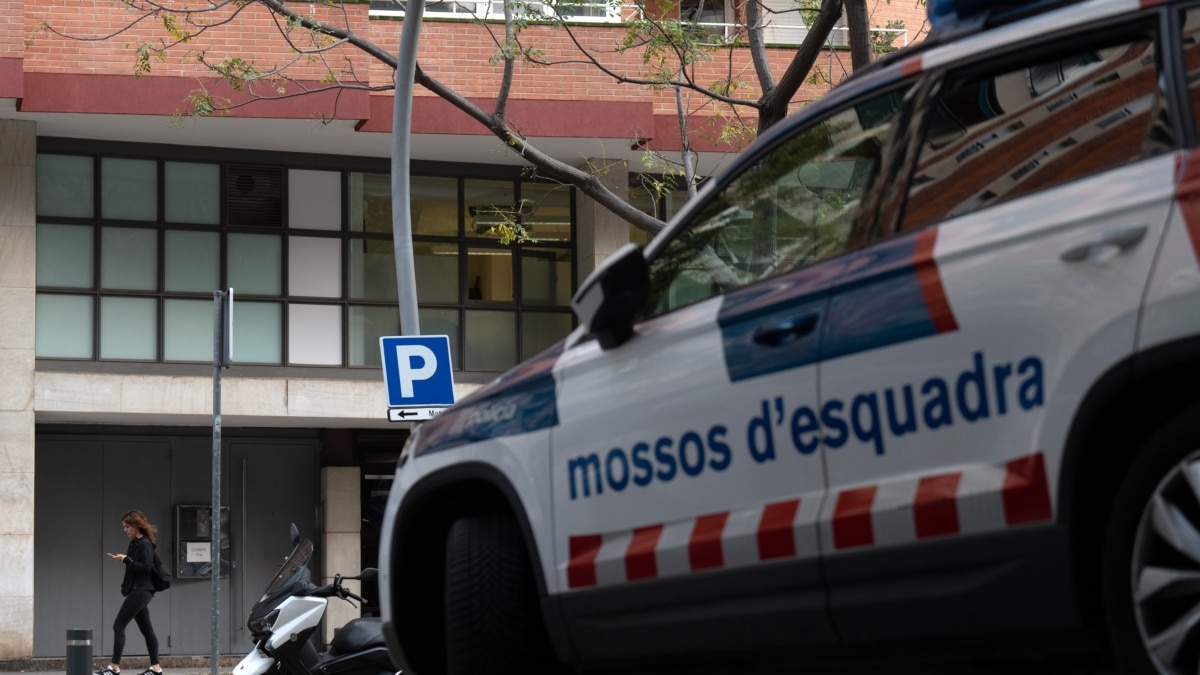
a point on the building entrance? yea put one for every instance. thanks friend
(86, 480)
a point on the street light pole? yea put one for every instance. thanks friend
(222, 336)
(406, 70)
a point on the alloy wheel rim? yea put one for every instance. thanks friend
(1165, 583)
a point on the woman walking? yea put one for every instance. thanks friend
(137, 589)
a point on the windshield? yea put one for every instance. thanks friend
(291, 578)
(296, 564)
(797, 204)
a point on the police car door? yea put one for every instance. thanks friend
(958, 348)
(685, 504)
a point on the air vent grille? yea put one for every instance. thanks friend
(254, 195)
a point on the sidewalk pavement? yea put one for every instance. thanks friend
(133, 664)
(131, 669)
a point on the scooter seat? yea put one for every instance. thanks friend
(358, 635)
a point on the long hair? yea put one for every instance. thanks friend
(138, 519)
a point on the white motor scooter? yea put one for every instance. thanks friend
(284, 619)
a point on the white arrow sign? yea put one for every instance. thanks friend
(414, 414)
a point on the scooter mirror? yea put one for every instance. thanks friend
(368, 574)
(295, 535)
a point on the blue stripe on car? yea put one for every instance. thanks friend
(877, 301)
(520, 401)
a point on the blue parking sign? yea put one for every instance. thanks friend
(417, 370)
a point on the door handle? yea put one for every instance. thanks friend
(788, 330)
(1105, 245)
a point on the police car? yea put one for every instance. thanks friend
(917, 377)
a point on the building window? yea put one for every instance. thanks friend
(573, 10)
(130, 250)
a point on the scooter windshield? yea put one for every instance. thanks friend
(293, 568)
(293, 575)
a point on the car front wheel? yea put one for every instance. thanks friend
(1151, 566)
(493, 624)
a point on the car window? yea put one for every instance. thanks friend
(1189, 41)
(793, 206)
(992, 138)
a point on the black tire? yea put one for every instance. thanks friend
(1151, 584)
(493, 624)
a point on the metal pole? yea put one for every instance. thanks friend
(79, 651)
(406, 70)
(215, 528)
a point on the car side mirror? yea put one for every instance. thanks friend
(612, 297)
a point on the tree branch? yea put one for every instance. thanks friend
(774, 104)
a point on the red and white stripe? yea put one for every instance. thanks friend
(978, 498)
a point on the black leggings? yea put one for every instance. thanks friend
(135, 608)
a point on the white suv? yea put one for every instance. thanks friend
(917, 377)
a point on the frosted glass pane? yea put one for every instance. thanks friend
(193, 193)
(442, 322)
(257, 332)
(128, 189)
(255, 265)
(129, 328)
(491, 341)
(315, 199)
(373, 269)
(315, 334)
(64, 256)
(188, 330)
(546, 277)
(436, 269)
(64, 326)
(367, 325)
(193, 261)
(314, 267)
(65, 186)
(539, 331)
(129, 259)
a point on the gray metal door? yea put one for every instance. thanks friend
(82, 488)
(84, 483)
(191, 598)
(68, 547)
(277, 485)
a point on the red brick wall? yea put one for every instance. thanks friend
(12, 29)
(251, 35)
(913, 15)
(456, 53)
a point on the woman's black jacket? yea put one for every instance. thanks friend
(139, 561)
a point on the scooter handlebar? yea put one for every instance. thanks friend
(336, 589)
(326, 591)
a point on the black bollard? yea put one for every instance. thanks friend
(79, 651)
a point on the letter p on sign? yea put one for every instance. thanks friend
(417, 370)
(404, 358)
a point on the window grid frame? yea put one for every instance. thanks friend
(99, 150)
